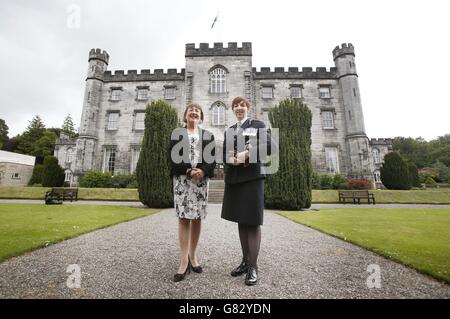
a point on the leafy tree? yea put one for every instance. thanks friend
(3, 133)
(153, 167)
(11, 144)
(394, 172)
(290, 187)
(34, 131)
(53, 174)
(414, 174)
(68, 127)
(442, 171)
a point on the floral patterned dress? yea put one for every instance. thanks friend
(190, 196)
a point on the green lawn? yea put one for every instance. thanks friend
(24, 227)
(428, 196)
(419, 238)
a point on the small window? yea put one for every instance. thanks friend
(331, 158)
(328, 120)
(142, 94)
(139, 121)
(267, 92)
(324, 92)
(109, 160)
(219, 114)
(135, 151)
(169, 93)
(115, 94)
(89, 96)
(354, 92)
(113, 121)
(15, 176)
(68, 176)
(377, 176)
(349, 115)
(69, 155)
(296, 92)
(376, 155)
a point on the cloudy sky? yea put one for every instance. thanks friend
(402, 50)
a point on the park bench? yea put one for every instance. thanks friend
(58, 194)
(356, 195)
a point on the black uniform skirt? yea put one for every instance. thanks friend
(244, 202)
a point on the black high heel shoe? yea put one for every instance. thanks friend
(179, 277)
(197, 269)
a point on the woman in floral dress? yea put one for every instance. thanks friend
(192, 154)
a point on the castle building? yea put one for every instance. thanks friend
(112, 121)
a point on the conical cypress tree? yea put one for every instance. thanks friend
(153, 167)
(414, 174)
(394, 172)
(53, 174)
(290, 188)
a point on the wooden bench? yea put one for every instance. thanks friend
(356, 195)
(59, 194)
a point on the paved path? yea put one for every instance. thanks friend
(314, 206)
(137, 259)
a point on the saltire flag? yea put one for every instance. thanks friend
(215, 20)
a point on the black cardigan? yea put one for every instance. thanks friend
(206, 138)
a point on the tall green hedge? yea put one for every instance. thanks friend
(36, 177)
(153, 167)
(414, 174)
(394, 172)
(290, 188)
(53, 174)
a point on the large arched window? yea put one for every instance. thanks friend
(218, 113)
(376, 155)
(218, 79)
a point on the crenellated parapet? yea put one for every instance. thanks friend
(344, 49)
(97, 54)
(144, 75)
(218, 49)
(380, 141)
(295, 73)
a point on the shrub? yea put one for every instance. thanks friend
(326, 181)
(441, 170)
(430, 182)
(96, 179)
(290, 188)
(394, 172)
(153, 167)
(358, 183)
(52, 174)
(36, 177)
(339, 182)
(122, 180)
(315, 180)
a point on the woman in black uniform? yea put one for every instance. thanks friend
(244, 144)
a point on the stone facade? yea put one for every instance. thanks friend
(15, 169)
(111, 128)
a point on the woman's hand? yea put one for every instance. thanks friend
(242, 156)
(197, 174)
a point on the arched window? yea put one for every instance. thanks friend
(218, 114)
(376, 155)
(68, 175)
(218, 80)
(377, 176)
(69, 155)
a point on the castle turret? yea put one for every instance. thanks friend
(86, 143)
(357, 142)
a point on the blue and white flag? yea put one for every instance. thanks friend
(215, 20)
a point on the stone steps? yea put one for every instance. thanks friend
(216, 189)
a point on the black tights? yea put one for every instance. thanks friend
(250, 237)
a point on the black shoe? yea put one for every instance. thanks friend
(197, 269)
(240, 270)
(252, 276)
(179, 277)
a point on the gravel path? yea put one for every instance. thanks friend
(137, 259)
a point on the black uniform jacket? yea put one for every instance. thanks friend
(255, 134)
(180, 146)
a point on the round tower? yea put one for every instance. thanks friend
(358, 159)
(88, 132)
